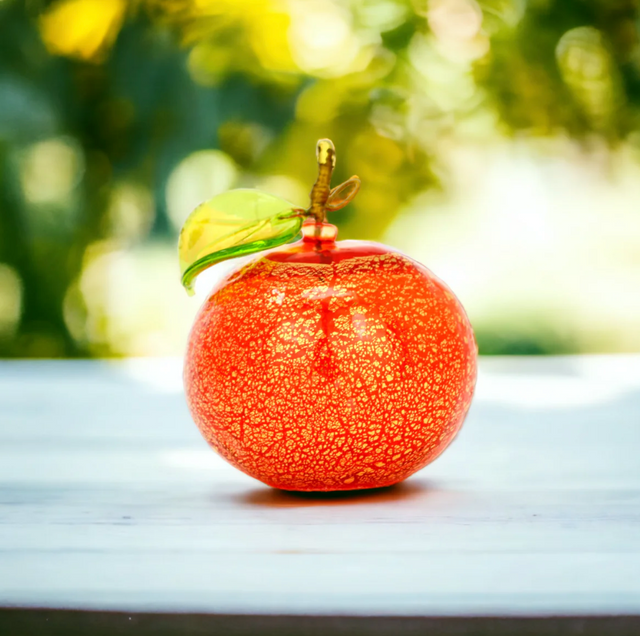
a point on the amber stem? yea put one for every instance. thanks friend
(326, 155)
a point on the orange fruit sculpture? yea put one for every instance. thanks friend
(322, 365)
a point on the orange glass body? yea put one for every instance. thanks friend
(330, 366)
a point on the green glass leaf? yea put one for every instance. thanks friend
(233, 224)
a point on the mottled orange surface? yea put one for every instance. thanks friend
(333, 367)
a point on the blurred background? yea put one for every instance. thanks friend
(498, 142)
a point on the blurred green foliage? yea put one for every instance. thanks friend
(101, 101)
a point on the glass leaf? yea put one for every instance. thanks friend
(233, 224)
(343, 194)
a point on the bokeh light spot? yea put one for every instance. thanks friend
(197, 178)
(322, 40)
(130, 213)
(588, 70)
(286, 187)
(454, 19)
(10, 300)
(50, 171)
(83, 29)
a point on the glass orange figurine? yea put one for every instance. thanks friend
(322, 365)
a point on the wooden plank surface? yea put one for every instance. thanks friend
(110, 500)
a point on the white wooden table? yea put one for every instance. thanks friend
(115, 517)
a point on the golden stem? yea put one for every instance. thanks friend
(326, 155)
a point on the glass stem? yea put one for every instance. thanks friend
(326, 155)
